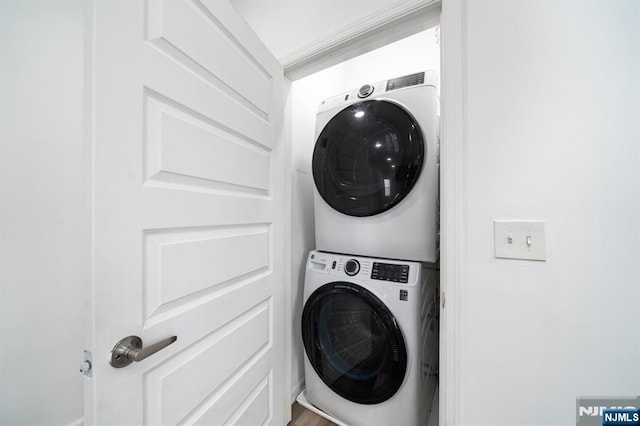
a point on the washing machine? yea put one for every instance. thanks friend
(370, 333)
(375, 167)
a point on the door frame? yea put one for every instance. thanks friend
(398, 21)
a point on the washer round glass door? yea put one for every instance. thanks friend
(368, 158)
(354, 343)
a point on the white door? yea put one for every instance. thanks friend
(188, 203)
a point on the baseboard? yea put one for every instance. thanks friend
(302, 400)
(77, 422)
(296, 390)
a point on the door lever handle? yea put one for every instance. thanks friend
(130, 349)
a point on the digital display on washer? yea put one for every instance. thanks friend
(406, 81)
(389, 272)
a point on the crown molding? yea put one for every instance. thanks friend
(385, 26)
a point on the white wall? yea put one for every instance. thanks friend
(553, 133)
(41, 211)
(416, 53)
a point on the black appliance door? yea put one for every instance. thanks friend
(354, 343)
(368, 158)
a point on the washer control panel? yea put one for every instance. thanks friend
(361, 268)
(390, 272)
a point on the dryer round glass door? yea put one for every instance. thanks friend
(354, 343)
(367, 158)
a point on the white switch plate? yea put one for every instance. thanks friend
(518, 239)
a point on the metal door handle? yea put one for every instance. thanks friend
(130, 349)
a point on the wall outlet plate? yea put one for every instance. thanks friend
(519, 239)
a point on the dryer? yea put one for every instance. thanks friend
(370, 334)
(375, 167)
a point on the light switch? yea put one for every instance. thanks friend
(518, 239)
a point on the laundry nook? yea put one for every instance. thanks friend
(320, 212)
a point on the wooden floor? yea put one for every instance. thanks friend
(300, 416)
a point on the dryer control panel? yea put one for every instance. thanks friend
(406, 81)
(424, 78)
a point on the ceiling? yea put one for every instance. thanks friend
(289, 26)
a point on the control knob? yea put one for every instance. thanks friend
(365, 91)
(352, 267)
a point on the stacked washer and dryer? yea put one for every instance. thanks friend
(370, 316)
